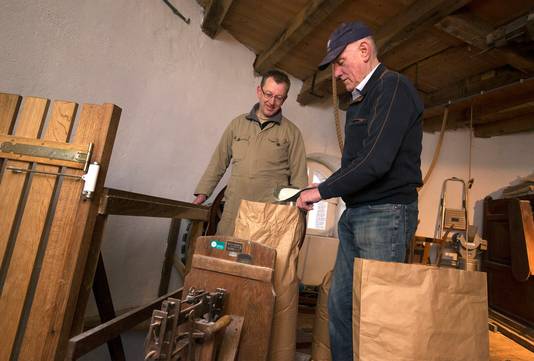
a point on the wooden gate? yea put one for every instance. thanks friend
(45, 222)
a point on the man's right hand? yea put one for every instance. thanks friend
(201, 198)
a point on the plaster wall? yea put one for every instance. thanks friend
(178, 90)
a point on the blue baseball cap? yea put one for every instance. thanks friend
(345, 34)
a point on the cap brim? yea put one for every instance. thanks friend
(330, 57)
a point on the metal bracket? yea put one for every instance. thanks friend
(46, 152)
(90, 177)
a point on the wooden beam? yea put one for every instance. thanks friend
(311, 16)
(314, 87)
(81, 344)
(117, 202)
(474, 32)
(472, 85)
(419, 16)
(507, 126)
(214, 14)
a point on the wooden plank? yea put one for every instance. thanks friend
(311, 16)
(214, 14)
(105, 307)
(30, 231)
(43, 143)
(172, 242)
(472, 85)
(9, 107)
(81, 344)
(50, 319)
(521, 239)
(420, 15)
(30, 122)
(230, 339)
(507, 126)
(194, 232)
(88, 274)
(237, 269)
(314, 87)
(124, 203)
(252, 299)
(473, 31)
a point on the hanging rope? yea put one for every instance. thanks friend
(438, 147)
(335, 102)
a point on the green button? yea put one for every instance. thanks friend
(215, 243)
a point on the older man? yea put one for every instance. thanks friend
(266, 151)
(380, 169)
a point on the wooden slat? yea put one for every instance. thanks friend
(124, 203)
(311, 16)
(44, 143)
(29, 236)
(90, 339)
(214, 15)
(9, 106)
(11, 186)
(233, 268)
(50, 319)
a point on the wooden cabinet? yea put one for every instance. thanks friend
(507, 294)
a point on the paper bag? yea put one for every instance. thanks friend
(408, 312)
(281, 227)
(321, 337)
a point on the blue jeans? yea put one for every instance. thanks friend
(380, 232)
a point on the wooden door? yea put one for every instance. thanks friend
(45, 222)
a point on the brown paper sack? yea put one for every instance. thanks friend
(281, 227)
(321, 337)
(408, 312)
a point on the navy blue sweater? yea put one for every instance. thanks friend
(381, 160)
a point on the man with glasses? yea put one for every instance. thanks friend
(265, 149)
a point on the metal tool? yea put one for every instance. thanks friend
(460, 246)
(180, 327)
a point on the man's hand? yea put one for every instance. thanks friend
(308, 198)
(201, 198)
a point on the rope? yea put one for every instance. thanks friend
(438, 148)
(335, 102)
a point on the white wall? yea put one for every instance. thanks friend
(178, 90)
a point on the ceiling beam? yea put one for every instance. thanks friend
(475, 32)
(472, 85)
(313, 14)
(214, 14)
(420, 15)
(417, 17)
(520, 124)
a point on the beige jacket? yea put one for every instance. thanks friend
(262, 159)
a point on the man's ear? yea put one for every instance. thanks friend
(365, 50)
(259, 93)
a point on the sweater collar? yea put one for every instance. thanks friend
(277, 118)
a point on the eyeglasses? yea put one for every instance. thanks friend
(268, 96)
